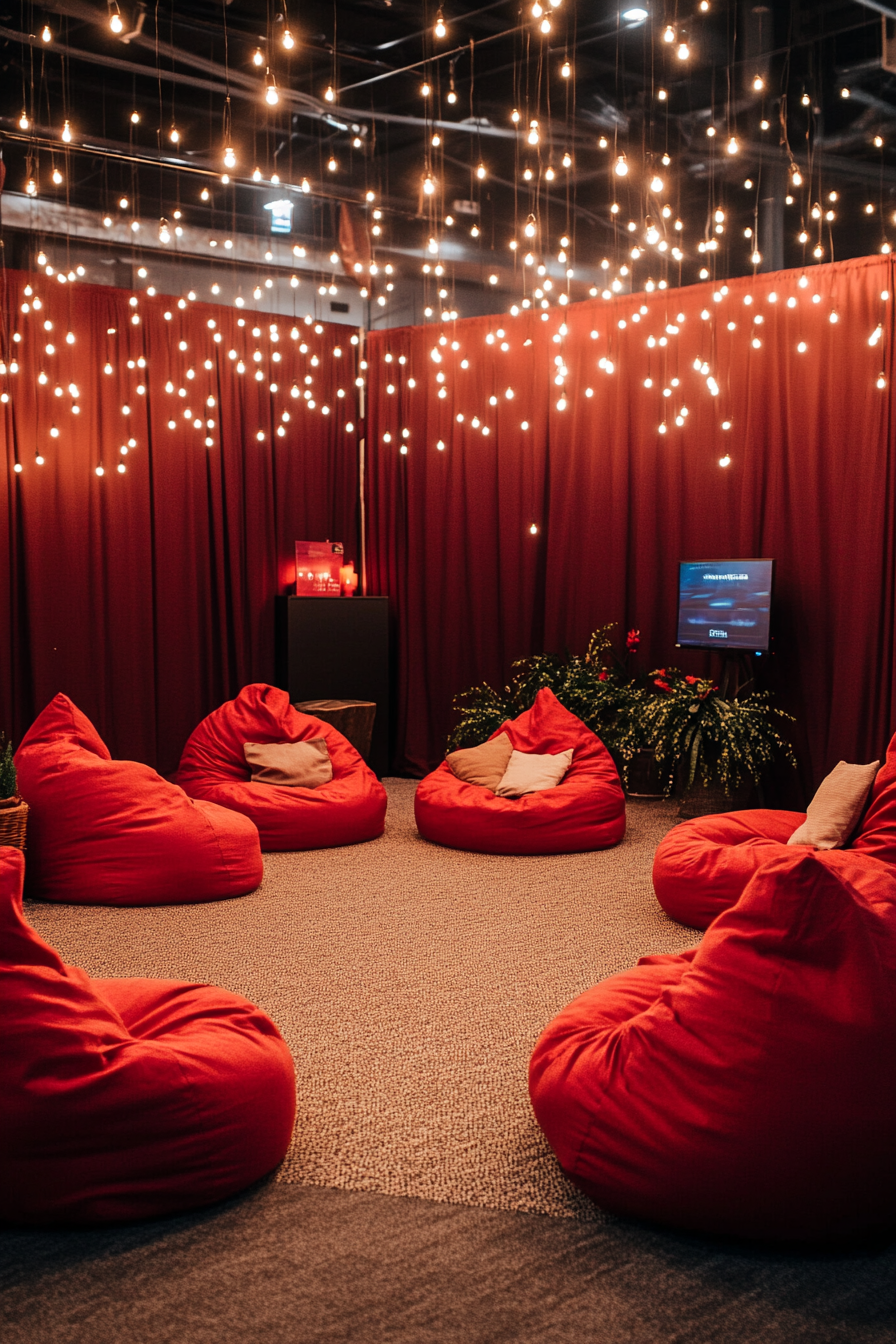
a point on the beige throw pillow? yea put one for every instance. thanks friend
(297, 765)
(529, 772)
(834, 812)
(483, 765)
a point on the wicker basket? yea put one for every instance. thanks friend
(13, 820)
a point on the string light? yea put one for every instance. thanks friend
(440, 30)
(116, 23)
(288, 40)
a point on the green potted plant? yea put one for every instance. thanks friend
(13, 808)
(712, 751)
(601, 687)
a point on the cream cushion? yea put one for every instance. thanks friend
(483, 765)
(834, 812)
(294, 765)
(530, 772)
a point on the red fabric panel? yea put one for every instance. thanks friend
(877, 833)
(350, 808)
(149, 597)
(812, 483)
(127, 1098)
(586, 810)
(104, 832)
(748, 1087)
(703, 866)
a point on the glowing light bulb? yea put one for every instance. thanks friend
(566, 160)
(621, 168)
(710, 131)
(796, 178)
(669, 33)
(429, 185)
(532, 137)
(330, 94)
(24, 123)
(480, 170)
(174, 135)
(135, 118)
(57, 176)
(115, 22)
(271, 95)
(229, 157)
(425, 90)
(288, 40)
(46, 35)
(31, 187)
(67, 133)
(656, 184)
(452, 96)
(530, 227)
(733, 147)
(683, 52)
(566, 70)
(440, 30)
(258, 58)
(758, 84)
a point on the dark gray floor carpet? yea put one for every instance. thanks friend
(289, 1264)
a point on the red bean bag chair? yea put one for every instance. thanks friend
(586, 810)
(747, 1086)
(127, 1098)
(104, 832)
(702, 867)
(350, 808)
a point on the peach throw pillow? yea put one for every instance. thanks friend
(530, 772)
(294, 765)
(484, 765)
(834, 812)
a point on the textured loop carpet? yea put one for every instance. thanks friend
(411, 982)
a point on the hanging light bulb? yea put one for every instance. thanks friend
(330, 94)
(683, 52)
(733, 147)
(135, 118)
(31, 187)
(116, 22)
(480, 170)
(653, 234)
(288, 40)
(229, 157)
(24, 123)
(57, 176)
(621, 168)
(758, 84)
(796, 177)
(67, 133)
(429, 185)
(256, 175)
(174, 135)
(425, 89)
(332, 165)
(46, 35)
(531, 227)
(532, 137)
(669, 34)
(567, 160)
(258, 58)
(656, 184)
(566, 69)
(440, 29)
(205, 194)
(164, 231)
(271, 96)
(452, 94)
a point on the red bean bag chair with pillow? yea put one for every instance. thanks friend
(127, 1099)
(747, 1086)
(702, 866)
(350, 808)
(585, 811)
(104, 832)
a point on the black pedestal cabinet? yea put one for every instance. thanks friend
(337, 648)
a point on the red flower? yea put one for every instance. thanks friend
(692, 681)
(602, 677)
(663, 685)
(633, 639)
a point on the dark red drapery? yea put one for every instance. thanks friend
(148, 596)
(617, 504)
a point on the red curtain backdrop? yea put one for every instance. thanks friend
(796, 361)
(148, 595)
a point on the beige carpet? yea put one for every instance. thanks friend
(411, 983)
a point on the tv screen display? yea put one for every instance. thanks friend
(725, 604)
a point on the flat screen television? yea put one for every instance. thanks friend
(725, 604)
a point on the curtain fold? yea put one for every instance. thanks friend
(148, 596)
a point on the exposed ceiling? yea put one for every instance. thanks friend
(606, 92)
